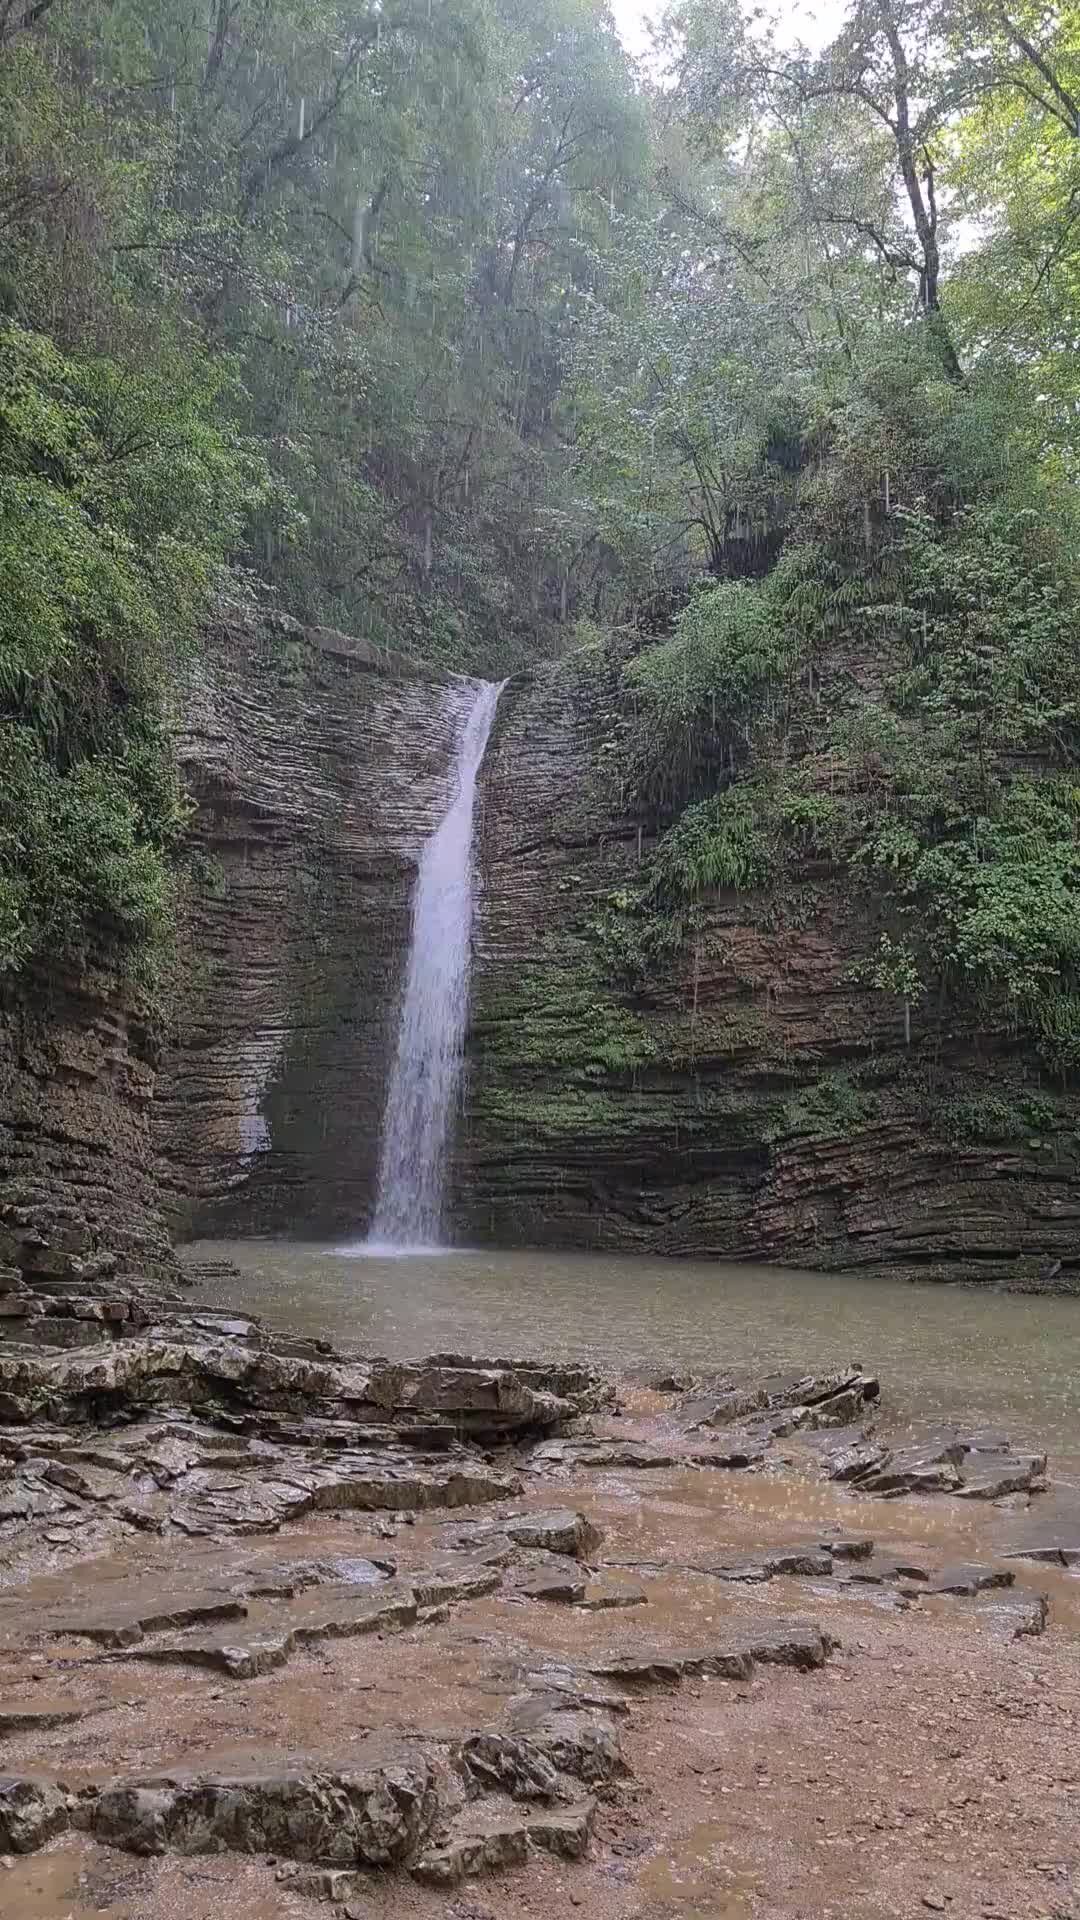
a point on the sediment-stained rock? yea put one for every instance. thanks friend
(481, 1842)
(375, 1813)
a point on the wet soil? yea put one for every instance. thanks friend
(931, 1766)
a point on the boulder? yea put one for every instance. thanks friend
(374, 1813)
(32, 1812)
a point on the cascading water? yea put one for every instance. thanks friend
(427, 1065)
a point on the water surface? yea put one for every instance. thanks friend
(963, 1352)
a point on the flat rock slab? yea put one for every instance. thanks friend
(129, 1617)
(557, 1588)
(778, 1643)
(558, 1530)
(482, 1842)
(973, 1465)
(337, 1613)
(573, 1454)
(38, 1716)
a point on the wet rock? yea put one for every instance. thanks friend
(855, 1459)
(559, 1530)
(577, 1739)
(741, 1449)
(374, 1813)
(1015, 1616)
(651, 1668)
(829, 1399)
(911, 1473)
(127, 1618)
(37, 1716)
(808, 1562)
(503, 1763)
(789, 1644)
(967, 1580)
(605, 1595)
(992, 1477)
(573, 1454)
(452, 1580)
(485, 1842)
(561, 1588)
(848, 1547)
(31, 1812)
(90, 1483)
(1055, 1546)
(883, 1569)
(328, 1614)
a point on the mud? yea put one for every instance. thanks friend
(641, 1692)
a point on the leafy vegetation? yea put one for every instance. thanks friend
(751, 375)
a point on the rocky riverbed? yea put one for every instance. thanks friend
(280, 1626)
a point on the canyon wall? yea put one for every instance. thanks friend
(317, 772)
(80, 1214)
(735, 1093)
(731, 1092)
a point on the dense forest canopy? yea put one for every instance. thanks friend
(442, 322)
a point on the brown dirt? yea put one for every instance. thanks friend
(932, 1766)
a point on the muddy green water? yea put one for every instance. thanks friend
(966, 1353)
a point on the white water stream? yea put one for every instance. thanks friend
(427, 1064)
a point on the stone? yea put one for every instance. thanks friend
(992, 1477)
(128, 1617)
(510, 1764)
(856, 1459)
(605, 1596)
(37, 1716)
(480, 1843)
(599, 1453)
(374, 1813)
(558, 1530)
(327, 1614)
(1016, 1616)
(564, 1588)
(739, 1450)
(32, 1812)
(848, 1547)
(966, 1580)
(809, 1562)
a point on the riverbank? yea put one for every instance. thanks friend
(468, 1640)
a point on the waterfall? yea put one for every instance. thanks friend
(431, 1034)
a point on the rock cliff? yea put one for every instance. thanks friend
(80, 1218)
(729, 1091)
(732, 1091)
(317, 772)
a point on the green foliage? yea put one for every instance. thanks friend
(830, 1108)
(992, 1119)
(721, 844)
(693, 695)
(119, 498)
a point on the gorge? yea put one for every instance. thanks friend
(539, 960)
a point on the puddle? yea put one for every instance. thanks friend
(699, 1879)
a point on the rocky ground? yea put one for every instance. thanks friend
(483, 1639)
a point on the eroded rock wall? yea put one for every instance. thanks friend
(79, 1201)
(738, 1094)
(317, 773)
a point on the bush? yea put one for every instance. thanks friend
(120, 496)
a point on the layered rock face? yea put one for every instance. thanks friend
(734, 1092)
(317, 774)
(79, 1203)
(731, 1092)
